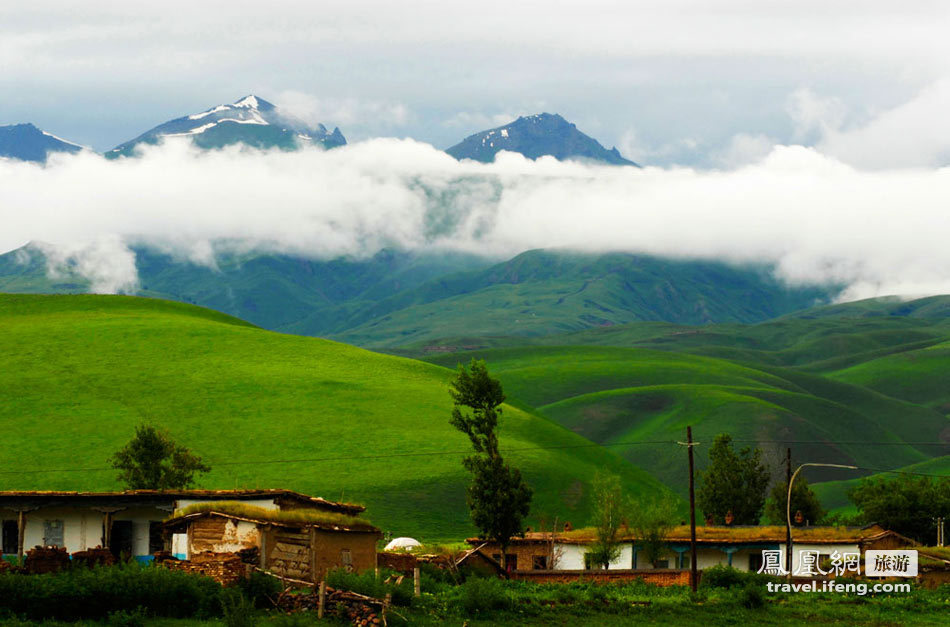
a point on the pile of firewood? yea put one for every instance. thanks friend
(358, 609)
(94, 557)
(225, 568)
(46, 559)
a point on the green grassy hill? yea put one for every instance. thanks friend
(79, 372)
(618, 396)
(545, 292)
(918, 376)
(395, 298)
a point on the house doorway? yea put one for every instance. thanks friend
(121, 539)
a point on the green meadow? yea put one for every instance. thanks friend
(276, 410)
(828, 380)
(79, 372)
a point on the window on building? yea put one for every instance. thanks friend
(511, 561)
(346, 559)
(662, 564)
(540, 562)
(496, 557)
(755, 562)
(53, 533)
(588, 562)
(10, 536)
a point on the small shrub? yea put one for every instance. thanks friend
(236, 609)
(723, 577)
(481, 596)
(124, 618)
(751, 596)
(297, 620)
(368, 584)
(260, 589)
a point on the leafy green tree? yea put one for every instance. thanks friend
(611, 508)
(153, 461)
(652, 522)
(804, 500)
(905, 504)
(733, 482)
(498, 497)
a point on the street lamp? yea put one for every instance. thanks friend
(788, 512)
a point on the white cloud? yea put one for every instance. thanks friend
(343, 111)
(813, 114)
(106, 262)
(914, 134)
(814, 217)
(744, 149)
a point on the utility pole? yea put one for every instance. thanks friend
(788, 523)
(941, 538)
(692, 512)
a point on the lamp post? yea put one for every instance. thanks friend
(788, 511)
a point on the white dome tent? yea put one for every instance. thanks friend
(402, 544)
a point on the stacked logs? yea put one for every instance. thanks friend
(359, 610)
(94, 557)
(225, 568)
(46, 559)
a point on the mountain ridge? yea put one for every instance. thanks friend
(27, 142)
(534, 136)
(250, 120)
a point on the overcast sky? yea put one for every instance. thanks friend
(705, 83)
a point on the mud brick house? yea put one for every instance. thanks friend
(300, 544)
(736, 546)
(127, 522)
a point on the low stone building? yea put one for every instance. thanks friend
(300, 544)
(129, 522)
(737, 546)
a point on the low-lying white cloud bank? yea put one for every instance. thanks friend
(816, 219)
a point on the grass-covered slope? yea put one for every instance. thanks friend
(618, 396)
(544, 292)
(79, 372)
(396, 298)
(919, 376)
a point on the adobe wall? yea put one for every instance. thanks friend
(329, 547)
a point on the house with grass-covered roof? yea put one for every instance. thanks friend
(129, 522)
(300, 544)
(740, 547)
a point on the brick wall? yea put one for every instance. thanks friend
(657, 577)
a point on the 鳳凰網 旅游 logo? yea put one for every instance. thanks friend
(812, 563)
(890, 563)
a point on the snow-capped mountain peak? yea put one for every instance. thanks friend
(251, 120)
(535, 136)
